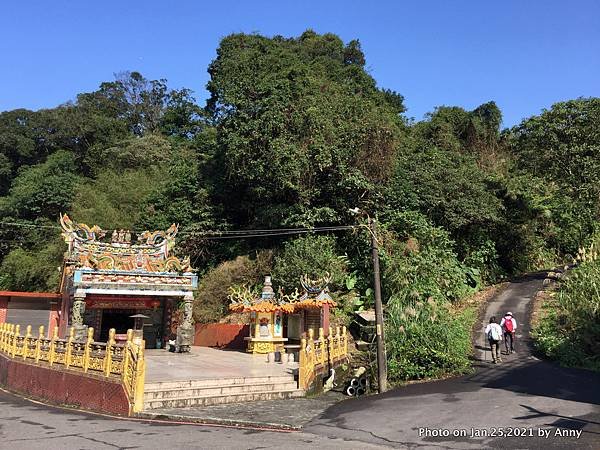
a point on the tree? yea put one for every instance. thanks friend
(302, 131)
(562, 147)
(43, 190)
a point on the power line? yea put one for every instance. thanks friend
(220, 235)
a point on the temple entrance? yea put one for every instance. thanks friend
(118, 319)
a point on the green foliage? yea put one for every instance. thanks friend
(419, 261)
(211, 302)
(425, 336)
(113, 199)
(313, 255)
(45, 189)
(561, 147)
(131, 153)
(302, 131)
(569, 330)
(426, 339)
(33, 270)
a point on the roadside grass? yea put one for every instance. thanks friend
(566, 326)
(428, 341)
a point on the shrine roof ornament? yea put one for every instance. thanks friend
(316, 294)
(244, 299)
(88, 249)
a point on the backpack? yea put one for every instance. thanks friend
(508, 325)
(493, 334)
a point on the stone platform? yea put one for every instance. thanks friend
(207, 376)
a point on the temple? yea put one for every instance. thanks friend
(107, 280)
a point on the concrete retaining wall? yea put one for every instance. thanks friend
(63, 387)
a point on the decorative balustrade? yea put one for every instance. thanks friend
(321, 353)
(124, 362)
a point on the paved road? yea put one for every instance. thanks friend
(523, 395)
(28, 426)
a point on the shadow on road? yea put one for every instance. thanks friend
(542, 378)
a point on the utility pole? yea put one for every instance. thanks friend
(381, 357)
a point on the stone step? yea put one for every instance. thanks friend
(203, 383)
(221, 399)
(207, 391)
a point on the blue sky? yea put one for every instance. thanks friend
(525, 55)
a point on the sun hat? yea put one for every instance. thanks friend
(509, 313)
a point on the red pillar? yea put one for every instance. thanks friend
(326, 319)
(3, 309)
(63, 320)
(53, 318)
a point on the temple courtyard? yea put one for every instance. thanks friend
(205, 363)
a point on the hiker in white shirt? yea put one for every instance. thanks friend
(509, 326)
(493, 333)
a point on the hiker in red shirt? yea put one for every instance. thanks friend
(509, 326)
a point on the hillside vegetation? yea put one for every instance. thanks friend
(296, 133)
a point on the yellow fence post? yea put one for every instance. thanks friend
(52, 351)
(302, 362)
(2, 336)
(140, 376)
(87, 349)
(330, 346)
(69, 350)
(38, 343)
(16, 340)
(108, 357)
(127, 360)
(26, 341)
(323, 355)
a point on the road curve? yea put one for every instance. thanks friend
(531, 400)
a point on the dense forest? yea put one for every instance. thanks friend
(295, 134)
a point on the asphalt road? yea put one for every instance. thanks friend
(28, 426)
(521, 403)
(524, 397)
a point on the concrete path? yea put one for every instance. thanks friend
(209, 363)
(528, 399)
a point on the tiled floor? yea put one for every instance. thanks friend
(209, 363)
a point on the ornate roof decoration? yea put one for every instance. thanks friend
(316, 294)
(87, 249)
(244, 299)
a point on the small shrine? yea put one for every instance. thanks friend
(266, 317)
(277, 319)
(110, 283)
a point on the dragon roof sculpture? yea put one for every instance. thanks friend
(316, 294)
(87, 249)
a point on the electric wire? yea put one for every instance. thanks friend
(218, 235)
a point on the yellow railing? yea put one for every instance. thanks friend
(123, 362)
(317, 354)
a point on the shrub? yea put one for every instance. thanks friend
(211, 302)
(312, 255)
(426, 339)
(569, 331)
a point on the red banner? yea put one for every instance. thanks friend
(121, 303)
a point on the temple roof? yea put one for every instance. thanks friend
(88, 249)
